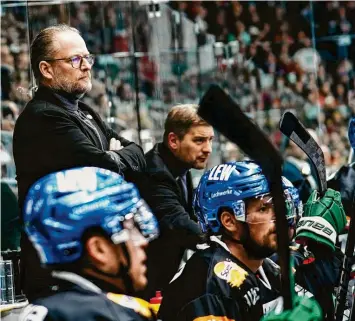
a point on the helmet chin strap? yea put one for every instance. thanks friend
(122, 273)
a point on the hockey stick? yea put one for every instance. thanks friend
(349, 251)
(218, 109)
(351, 156)
(294, 130)
(345, 273)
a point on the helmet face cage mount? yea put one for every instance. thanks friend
(140, 219)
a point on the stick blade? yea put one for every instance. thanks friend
(291, 127)
(215, 108)
(289, 123)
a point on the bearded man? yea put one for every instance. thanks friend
(56, 131)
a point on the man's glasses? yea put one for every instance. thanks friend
(77, 60)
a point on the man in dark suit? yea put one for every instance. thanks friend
(168, 190)
(56, 131)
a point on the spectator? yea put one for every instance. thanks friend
(57, 131)
(167, 188)
(103, 105)
(242, 34)
(125, 92)
(9, 111)
(7, 69)
(311, 110)
(148, 71)
(267, 20)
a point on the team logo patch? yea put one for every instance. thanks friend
(231, 272)
(138, 305)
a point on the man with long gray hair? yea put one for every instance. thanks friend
(56, 131)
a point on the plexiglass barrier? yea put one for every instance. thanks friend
(151, 56)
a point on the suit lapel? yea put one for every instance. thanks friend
(180, 187)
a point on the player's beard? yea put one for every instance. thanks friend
(256, 250)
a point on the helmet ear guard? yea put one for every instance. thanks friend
(208, 225)
(294, 203)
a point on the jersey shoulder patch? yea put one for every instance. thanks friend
(33, 312)
(230, 272)
(138, 305)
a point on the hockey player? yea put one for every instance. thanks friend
(90, 227)
(233, 279)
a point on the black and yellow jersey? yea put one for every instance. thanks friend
(78, 299)
(214, 285)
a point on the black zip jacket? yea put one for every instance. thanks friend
(52, 135)
(178, 227)
(215, 284)
(55, 133)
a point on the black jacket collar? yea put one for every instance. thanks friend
(59, 98)
(175, 165)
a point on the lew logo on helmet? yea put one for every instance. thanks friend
(221, 172)
(82, 179)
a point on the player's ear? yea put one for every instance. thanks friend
(229, 221)
(98, 249)
(173, 141)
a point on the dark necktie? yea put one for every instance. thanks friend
(181, 180)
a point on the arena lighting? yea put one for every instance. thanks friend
(154, 10)
(153, 7)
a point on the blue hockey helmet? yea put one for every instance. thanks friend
(292, 192)
(228, 185)
(61, 206)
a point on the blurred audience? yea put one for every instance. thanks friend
(270, 66)
(277, 67)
